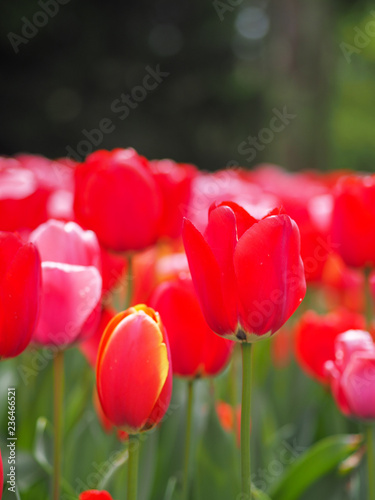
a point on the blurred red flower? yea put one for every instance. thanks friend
(315, 339)
(195, 349)
(20, 293)
(352, 219)
(117, 196)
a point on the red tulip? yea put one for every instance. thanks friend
(71, 283)
(134, 373)
(248, 274)
(196, 351)
(353, 216)
(95, 495)
(316, 336)
(20, 291)
(352, 374)
(174, 181)
(117, 196)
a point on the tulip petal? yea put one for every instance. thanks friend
(270, 276)
(66, 242)
(207, 279)
(10, 243)
(131, 394)
(243, 219)
(70, 294)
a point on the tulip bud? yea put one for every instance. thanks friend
(134, 373)
(20, 291)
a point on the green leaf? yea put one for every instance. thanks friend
(121, 458)
(320, 459)
(43, 444)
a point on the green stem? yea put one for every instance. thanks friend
(58, 396)
(245, 420)
(368, 298)
(189, 421)
(133, 467)
(233, 391)
(130, 281)
(370, 460)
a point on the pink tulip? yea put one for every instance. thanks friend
(71, 281)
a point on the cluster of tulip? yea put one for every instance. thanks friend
(210, 260)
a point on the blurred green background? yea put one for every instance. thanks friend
(230, 64)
